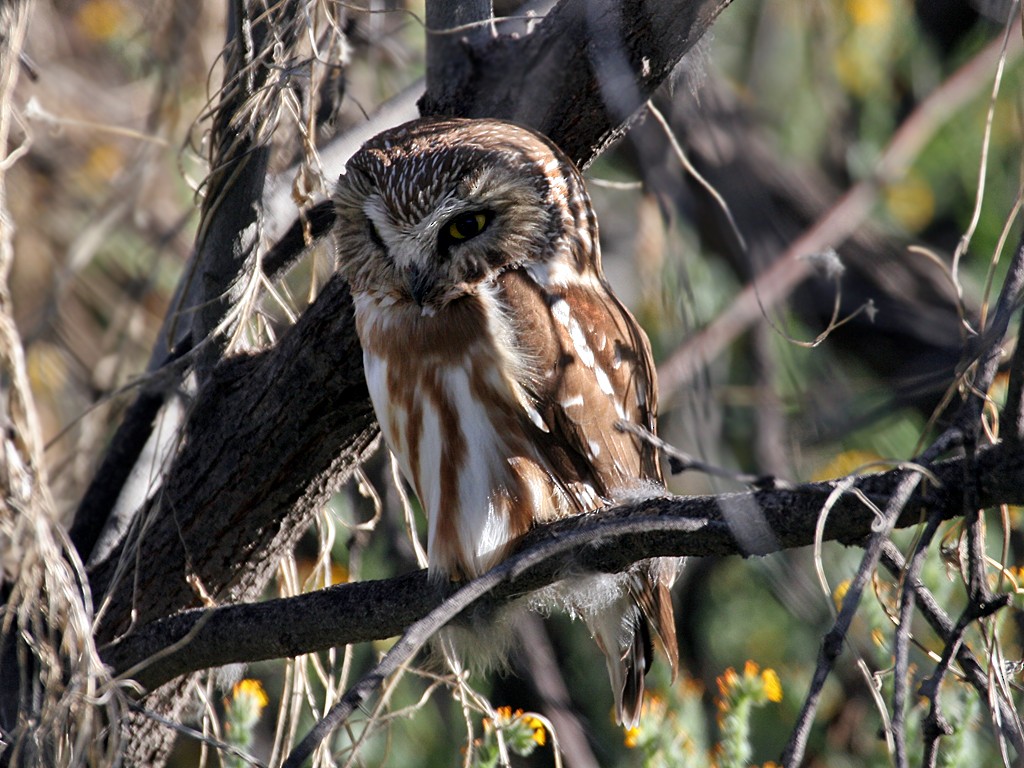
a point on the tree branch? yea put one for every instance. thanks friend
(609, 540)
(582, 76)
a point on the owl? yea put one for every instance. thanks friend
(499, 360)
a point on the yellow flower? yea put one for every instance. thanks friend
(535, 725)
(869, 13)
(840, 592)
(252, 689)
(632, 736)
(772, 685)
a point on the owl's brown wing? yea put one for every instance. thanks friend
(591, 367)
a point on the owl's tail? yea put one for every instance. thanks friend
(622, 630)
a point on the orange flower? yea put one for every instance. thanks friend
(727, 681)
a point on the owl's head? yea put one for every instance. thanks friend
(433, 209)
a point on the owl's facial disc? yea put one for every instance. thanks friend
(429, 224)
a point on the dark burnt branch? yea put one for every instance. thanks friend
(452, 30)
(312, 225)
(606, 541)
(586, 70)
(223, 258)
(253, 467)
(231, 219)
(1012, 422)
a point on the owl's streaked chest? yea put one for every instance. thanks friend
(453, 412)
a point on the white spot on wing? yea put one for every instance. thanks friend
(572, 402)
(558, 273)
(595, 448)
(579, 341)
(603, 381)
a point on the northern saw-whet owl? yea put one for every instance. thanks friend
(499, 360)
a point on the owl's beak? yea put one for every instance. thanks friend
(420, 282)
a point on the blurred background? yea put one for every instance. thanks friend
(851, 357)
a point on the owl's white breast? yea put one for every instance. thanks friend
(454, 416)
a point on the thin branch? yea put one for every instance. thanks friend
(901, 652)
(1011, 297)
(833, 641)
(944, 627)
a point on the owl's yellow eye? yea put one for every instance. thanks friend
(467, 225)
